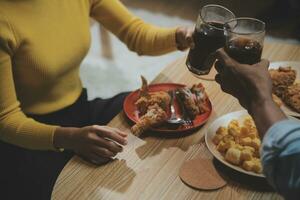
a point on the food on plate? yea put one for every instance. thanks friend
(146, 99)
(282, 78)
(292, 96)
(233, 155)
(239, 144)
(252, 165)
(154, 116)
(284, 86)
(187, 97)
(201, 97)
(152, 107)
(194, 100)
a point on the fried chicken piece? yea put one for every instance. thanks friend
(282, 78)
(147, 98)
(154, 116)
(292, 96)
(188, 101)
(152, 107)
(201, 97)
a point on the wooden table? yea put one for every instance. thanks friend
(148, 168)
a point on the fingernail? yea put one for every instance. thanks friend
(124, 134)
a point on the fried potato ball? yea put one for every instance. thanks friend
(233, 156)
(240, 144)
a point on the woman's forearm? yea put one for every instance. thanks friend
(143, 38)
(146, 39)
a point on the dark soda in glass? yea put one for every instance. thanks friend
(208, 38)
(245, 39)
(244, 50)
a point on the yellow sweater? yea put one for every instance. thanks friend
(42, 43)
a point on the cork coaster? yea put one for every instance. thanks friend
(201, 174)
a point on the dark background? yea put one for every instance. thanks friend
(281, 16)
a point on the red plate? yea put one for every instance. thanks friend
(132, 113)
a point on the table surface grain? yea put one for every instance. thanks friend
(148, 167)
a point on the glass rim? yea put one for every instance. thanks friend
(245, 18)
(218, 6)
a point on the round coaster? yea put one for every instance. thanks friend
(201, 174)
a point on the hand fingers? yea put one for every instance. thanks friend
(224, 58)
(190, 42)
(264, 63)
(223, 84)
(218, 79)
(222, 70)
(103, 152)
(110, 133)
(227, 88)
(209, 61)
(98, 160)
(94, 158)
(121, 133)
(189, 38)
(226, 65)
(110, 145)
(218, 66)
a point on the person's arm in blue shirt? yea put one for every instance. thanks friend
(280, 155)
(280, 151)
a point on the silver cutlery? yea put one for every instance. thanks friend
(187, 120)
(174, 119)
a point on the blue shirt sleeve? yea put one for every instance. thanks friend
(280, 155)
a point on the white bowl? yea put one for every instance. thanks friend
(224, 121)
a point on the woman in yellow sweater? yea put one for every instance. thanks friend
(43, 107)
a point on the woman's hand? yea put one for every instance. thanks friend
(184, 38)
(97, 144)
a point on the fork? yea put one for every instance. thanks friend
(187, 120)
(174, 119)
